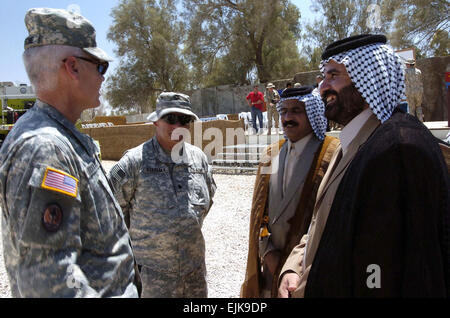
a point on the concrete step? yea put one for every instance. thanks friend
(262, 139)
(246, 146)
(238, 155)
(234, 161)
(233, 170)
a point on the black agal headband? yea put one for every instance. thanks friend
(351, 43)
(374, 68)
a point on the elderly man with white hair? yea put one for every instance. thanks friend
(64, 234)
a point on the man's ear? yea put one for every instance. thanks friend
(71, 67)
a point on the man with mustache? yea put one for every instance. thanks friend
(165, 188)
(380, 227)
(285, 189)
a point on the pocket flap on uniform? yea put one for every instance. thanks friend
(91, 169)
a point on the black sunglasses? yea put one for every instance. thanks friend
(102, 67)
(172, 119)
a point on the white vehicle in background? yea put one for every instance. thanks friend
(15, 101)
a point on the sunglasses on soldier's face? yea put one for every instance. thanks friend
(102, 67)
(172, 119)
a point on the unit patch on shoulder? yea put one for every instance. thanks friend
(52, 217)
(59, 181)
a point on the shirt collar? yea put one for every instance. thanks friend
(350, 130)
(299, 145)
(63, 121)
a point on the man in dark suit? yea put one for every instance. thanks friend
(380, 227)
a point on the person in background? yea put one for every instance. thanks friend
(414, 89)
(255, 100)
(319, 79)
(272, 98)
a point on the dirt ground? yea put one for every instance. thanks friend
(226, 235)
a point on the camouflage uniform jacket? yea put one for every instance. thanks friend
(413, 81)
(165, 203)
(84, 250)
(269, 96)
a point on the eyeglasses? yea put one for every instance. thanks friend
(172, 119)
(102, 67)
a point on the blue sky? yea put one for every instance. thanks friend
(13, 31)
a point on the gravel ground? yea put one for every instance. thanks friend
(4, 283)
(226, 235)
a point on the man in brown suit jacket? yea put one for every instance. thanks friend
(381, 224)
(285, 189)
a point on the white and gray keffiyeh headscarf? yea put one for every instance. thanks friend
(377, 73)
(315, 110)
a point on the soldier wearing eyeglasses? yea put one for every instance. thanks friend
(64, 234)
(165, 188)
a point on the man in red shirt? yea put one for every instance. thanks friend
(256, 101)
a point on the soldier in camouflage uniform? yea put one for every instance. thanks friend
(165, 188)
(272, 98)
(64, 234)
(414, 89)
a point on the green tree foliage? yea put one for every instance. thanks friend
(440, 44)
(341, 19)
(421, 23)
(216, 42)
(229, 41)
(149, 36)
(337, 22)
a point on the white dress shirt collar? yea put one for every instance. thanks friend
(299, 145)
(350, 131)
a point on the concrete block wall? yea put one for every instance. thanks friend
(115, 140)
(230, 99)
(224, 99)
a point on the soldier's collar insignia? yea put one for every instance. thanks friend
(60, 181)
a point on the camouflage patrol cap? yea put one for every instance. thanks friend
(47, 26)
(171, 102)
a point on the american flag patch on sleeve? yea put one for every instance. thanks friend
(60, 181)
